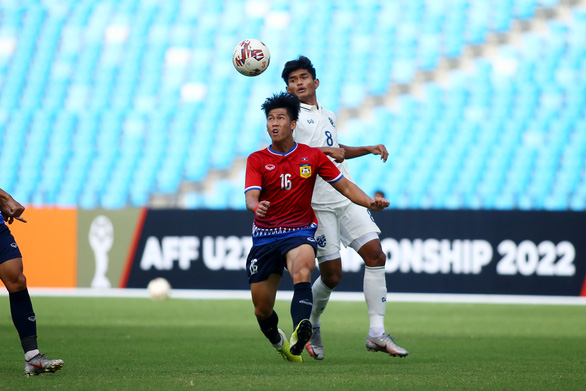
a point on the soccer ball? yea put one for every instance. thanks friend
(159, 288)
(251, 57)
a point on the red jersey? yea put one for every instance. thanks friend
(287, 181)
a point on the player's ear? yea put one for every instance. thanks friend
(316, 83)
(288, 90)
(293, 125)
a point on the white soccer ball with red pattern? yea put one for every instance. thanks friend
(251, 57)
(159, 288)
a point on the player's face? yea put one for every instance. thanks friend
(301, 84)
(279, 125)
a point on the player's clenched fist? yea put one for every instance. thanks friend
(262, 208)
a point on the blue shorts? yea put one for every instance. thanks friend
(271, 258)
(8, 247)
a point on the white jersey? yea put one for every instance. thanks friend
(316, 127)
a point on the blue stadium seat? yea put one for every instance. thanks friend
(148, 100)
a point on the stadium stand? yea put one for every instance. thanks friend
(123, 103)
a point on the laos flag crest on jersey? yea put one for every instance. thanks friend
(305, 170)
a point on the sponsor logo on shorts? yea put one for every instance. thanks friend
(32, 318)
(253, 268)
(321, 240)
(13, 245)
(309, 238)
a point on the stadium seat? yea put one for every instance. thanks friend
(146, 100)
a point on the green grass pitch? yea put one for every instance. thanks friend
(178, 344)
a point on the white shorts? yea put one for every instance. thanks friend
(350, 224)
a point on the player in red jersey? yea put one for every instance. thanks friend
(279, 186)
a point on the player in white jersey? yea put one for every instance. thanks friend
(338, 219)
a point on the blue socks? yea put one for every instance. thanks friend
(24, 319)
(301, 303)
(269, 328)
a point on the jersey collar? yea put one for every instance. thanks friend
(282, 153)
(310, 108)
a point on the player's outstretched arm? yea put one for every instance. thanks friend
(356, 195)
(259, 208)
(11, 209)
(338, 154)
(352, 152)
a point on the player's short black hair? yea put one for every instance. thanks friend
(300, 63)
(282, 100)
